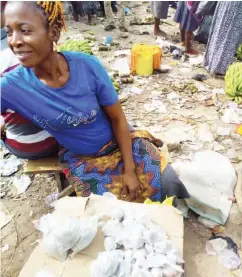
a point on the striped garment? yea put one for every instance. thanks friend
(23, 138)
(26, 140)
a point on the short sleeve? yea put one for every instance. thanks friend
(105, 91)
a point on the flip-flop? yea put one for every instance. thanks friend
(123, 29)
(109, 27)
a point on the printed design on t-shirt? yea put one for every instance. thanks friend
(67, 119)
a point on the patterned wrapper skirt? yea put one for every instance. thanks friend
(104, 172)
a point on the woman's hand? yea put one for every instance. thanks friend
(132, 187)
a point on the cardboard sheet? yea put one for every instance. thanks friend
(167, 217)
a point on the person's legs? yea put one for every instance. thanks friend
(109, 16)
(75, 10)
(157, 30)
(182, 34)
(121, 16)
(188, 48)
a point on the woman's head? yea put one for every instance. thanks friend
(32, 29)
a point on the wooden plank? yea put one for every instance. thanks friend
(58, 182)
(66, 192)
(45, 165)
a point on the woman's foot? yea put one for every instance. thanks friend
(160, 33)
(192, 51)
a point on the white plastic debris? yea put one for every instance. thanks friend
(173, 97)
(196, 61)
(204, 133)
(223, 131)
(136, 90)
(210, 179)
(22, 183)
(156, 105)
(232, 115)
(10, 166)
(5, 248)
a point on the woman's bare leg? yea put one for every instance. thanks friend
(182, 35)
(157, 30)
(188, 47)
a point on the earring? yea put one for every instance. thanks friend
(54, 46)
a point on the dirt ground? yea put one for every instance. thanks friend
(20, 234)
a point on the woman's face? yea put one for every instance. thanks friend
(27, 34)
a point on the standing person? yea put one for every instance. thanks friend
(70, 95)
(83, 8)
(160, 11)
(225, 36)
(185, 15)
(109, 15)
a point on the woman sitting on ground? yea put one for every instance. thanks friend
(72, 97)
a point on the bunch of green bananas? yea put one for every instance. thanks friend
(115, 84)
(239, 52)
(233, 82)
(76, 45)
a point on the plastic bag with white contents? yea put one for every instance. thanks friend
(50, 245)
(106, 263)
(88, 231)
(68, 233)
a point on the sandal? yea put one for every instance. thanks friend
(123, 29)
(109, 27)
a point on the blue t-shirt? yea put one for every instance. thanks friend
(72, 113)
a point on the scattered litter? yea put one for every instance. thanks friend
(200, 77)
(104, 48)
(126, 52)
(225, 249)
(49, 199)
(204, 133)
(218, 91)
(4, 218)
(156, 105)
(10, 166)
(123, 35)
(22, 183)
(173, 97)
(108, 40)
(207, 222)
(121, 65)
(232, 154)
(31, 213)
(165, 68)
(127, 11)
(136, 90)
(233, 114)
(223, 131)
(217, 147)
(5, 248)
(176, 54)
(196, 61)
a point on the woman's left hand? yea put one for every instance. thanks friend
(132, 187)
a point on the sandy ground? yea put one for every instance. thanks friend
(20, 234)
